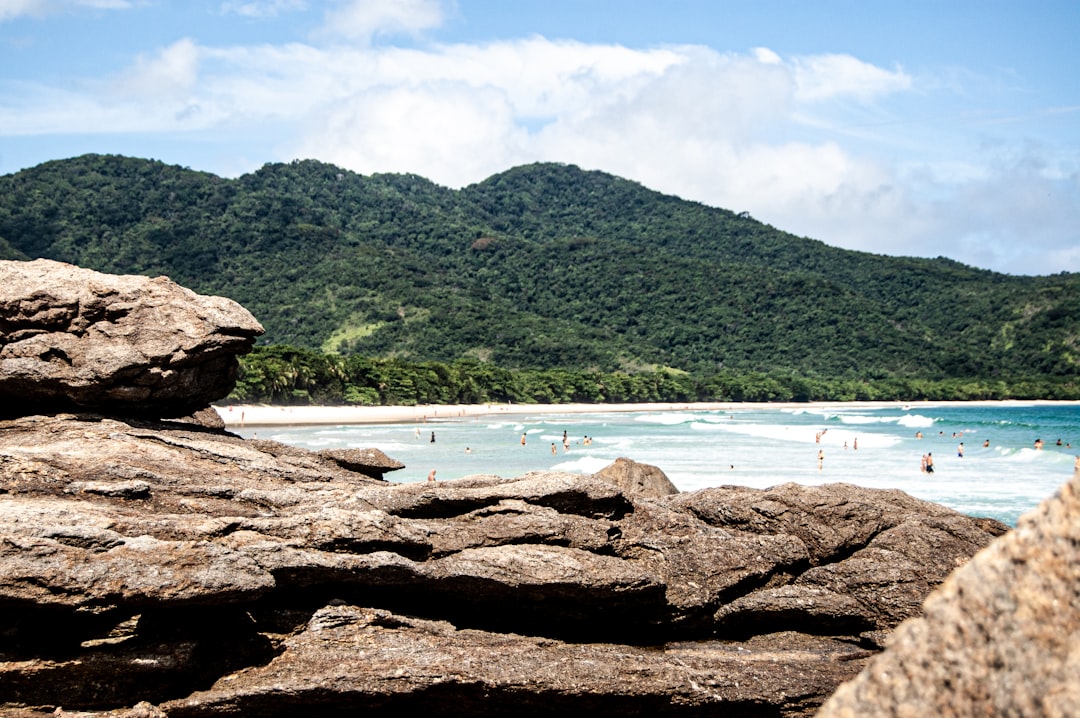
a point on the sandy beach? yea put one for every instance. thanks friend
(245, 415)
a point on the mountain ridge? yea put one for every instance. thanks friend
(543, 265)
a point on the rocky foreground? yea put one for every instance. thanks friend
(153, 567)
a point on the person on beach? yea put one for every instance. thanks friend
(1038, 444)
(523, 438)
(553, 449)
(929, 463)
(960, 450)
(433, 437)
(431, 476)
(820, 459)
(922, 464)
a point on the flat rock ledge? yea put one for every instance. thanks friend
(155, 569)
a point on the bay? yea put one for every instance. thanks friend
(1001, 473)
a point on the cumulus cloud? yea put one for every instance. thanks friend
(171, 72)
(751, 131)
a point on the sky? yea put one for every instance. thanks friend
(928, 128)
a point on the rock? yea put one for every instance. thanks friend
(375, 661)
(1000, 637)
(636, 478)
(203, 574)
(153, 567)
(72, 339)
(371, 462)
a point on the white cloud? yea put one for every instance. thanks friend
(172, 72)
(361, 20)
(261, 8)
(11, 9)
(455, 132)
(826, 77)
(755, 132)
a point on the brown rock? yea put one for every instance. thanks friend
(74, 339)
(206, 574)
(635, 478)
(370, 462)
(372, 660)
(1001, 637)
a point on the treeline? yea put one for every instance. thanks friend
(284, 375)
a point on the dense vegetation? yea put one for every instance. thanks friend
(545, 269)
(288, 375)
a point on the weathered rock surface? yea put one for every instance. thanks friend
(636, 478)
(370, 462)
(74, 339)
(157, 568)
(1001, 637)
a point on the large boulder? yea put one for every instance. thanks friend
(151, 567)
(75, 339)
(1001, 637)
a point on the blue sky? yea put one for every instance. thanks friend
(914, 128)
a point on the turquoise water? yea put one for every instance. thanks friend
(758, 447)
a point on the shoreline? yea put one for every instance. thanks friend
(245, 415)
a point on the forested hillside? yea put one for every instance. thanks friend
(540, 267)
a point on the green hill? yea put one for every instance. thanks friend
(541, 266)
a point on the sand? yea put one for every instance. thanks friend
(244, 415)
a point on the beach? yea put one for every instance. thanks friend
(253, 415)
(698, 445)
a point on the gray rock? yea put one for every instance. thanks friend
(1000, 637)
(74, 339)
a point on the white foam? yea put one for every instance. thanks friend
(915, 421)
(666, 418)
(583, 465)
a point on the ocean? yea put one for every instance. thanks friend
(1001, 473)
